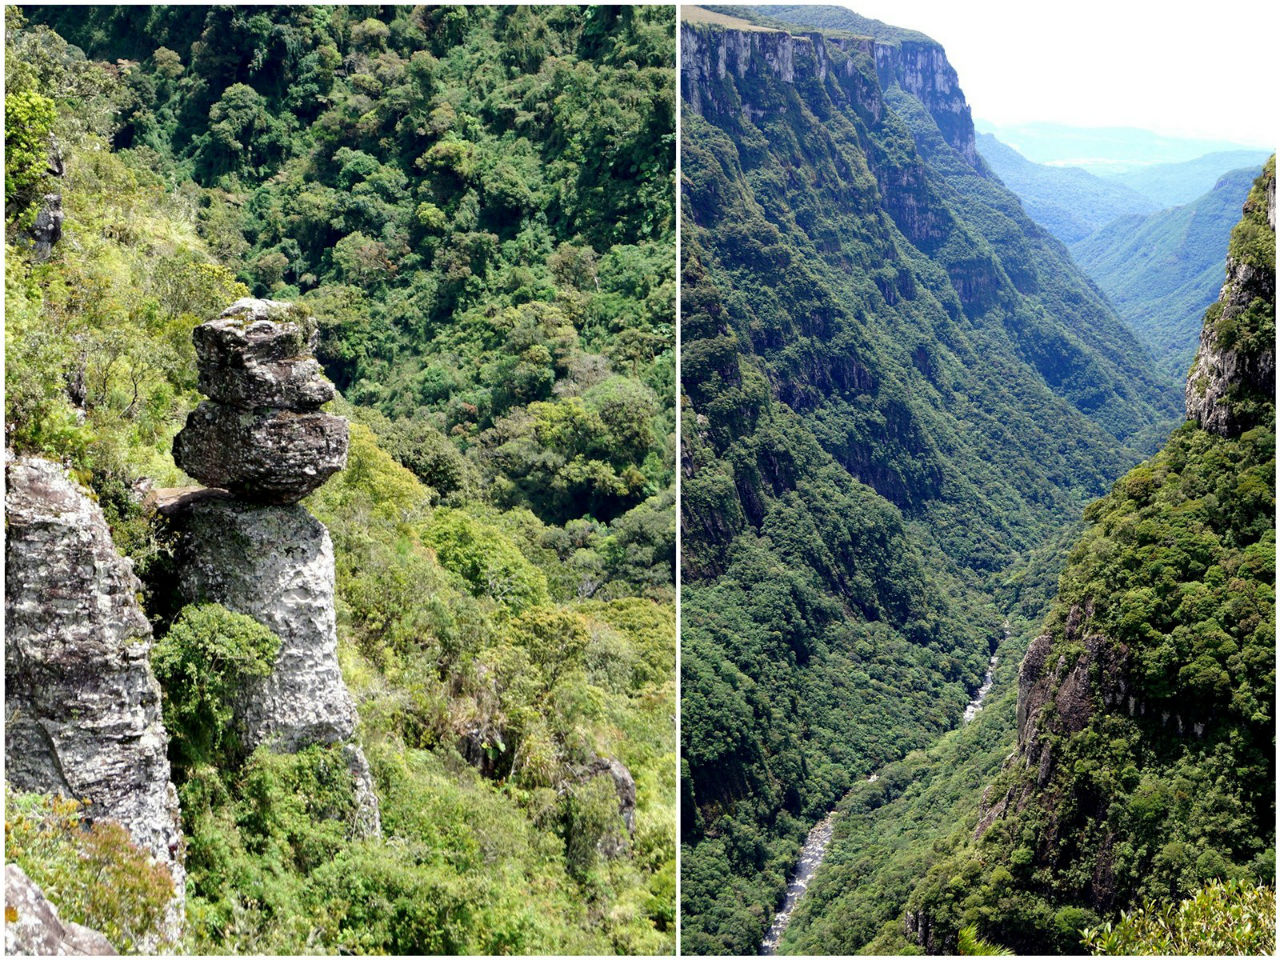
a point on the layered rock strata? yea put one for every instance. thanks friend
(255, 550)
(82, 707)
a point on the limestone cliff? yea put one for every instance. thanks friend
(1234, 374)
(82, 707)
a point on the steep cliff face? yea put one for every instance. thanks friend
(922, 70)
(82, 707)
(1145, 760)
(1234, 374)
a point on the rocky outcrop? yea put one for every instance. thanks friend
(274, 564)
(47, 229)
(922, 70)
(260, 434)
(1231, 386)
(32, 926)
(82, 707)
(255, 550)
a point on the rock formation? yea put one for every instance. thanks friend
(260, 434)
(256, 550)
(1234, 374)
(36, 929)
(82, 707)
(47, 230)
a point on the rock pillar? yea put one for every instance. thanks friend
(261, 437)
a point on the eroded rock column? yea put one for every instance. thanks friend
(261, 437)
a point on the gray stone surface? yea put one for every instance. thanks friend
(275, 564)
(254, 355)
(275, 457)
(82, 707)
(260, 433)
(47, 230)
(38, 931)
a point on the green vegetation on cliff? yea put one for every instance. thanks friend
(895, 385)
(500, 319)
(1145, 765)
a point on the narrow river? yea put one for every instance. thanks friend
(815, 845)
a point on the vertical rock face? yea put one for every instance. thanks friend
(1233, 378)
(82, 707)
(274, 564)
(922, 69)
(258, 552)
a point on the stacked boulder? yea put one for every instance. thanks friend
(261, 434)
(261, 437)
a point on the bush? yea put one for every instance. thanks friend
(203, 663)
(94, 874)
(1232, 918)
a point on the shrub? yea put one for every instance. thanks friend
(1233, 918)
(94, 874)
(203, 663)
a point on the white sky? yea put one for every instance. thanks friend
(1207, 69)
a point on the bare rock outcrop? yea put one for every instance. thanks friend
(82, 706)
(274, 564)
(36, 930)
(256, 550)
(260, 434)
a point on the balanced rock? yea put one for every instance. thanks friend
(82, 707)
(274, 457)
(260, 433)
(258, 354)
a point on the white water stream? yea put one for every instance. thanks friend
(815, 845)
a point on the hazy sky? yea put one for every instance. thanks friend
(1192, 70)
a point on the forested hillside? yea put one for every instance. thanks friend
(477, 207)
(895, 386)
(1145, 767)
(1161, 271)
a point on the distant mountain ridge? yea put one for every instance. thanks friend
(1108, 150)
(1172, 184)
(1069, 202)
(1161, 271)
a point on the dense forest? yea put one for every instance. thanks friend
(1144, 774)
(476, 204)
(896, 386)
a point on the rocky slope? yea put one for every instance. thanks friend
(37, 930)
